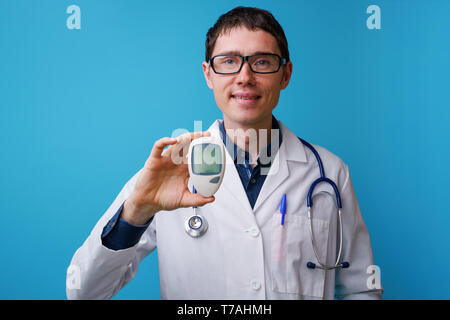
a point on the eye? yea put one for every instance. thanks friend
(262, 62)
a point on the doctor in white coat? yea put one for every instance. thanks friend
(246, 253)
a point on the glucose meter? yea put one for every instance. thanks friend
(206, 162)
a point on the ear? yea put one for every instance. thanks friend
(287, 72)
(207, 74)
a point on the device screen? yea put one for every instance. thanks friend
(206, 159)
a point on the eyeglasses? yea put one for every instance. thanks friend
(259, 63)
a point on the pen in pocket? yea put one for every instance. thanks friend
(283, 209)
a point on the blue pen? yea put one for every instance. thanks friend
(194, 191)
(283, 209)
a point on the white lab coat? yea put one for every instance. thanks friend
(245, 254)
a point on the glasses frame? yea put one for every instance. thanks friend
(281, 62)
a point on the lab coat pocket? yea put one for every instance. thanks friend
(292, 250)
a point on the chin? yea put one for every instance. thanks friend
(245, 115)
(247, 118)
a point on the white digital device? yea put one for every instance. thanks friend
(206, 162)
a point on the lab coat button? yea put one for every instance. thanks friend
(256, 285)
(254, 232)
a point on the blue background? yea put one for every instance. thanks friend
(80, 110)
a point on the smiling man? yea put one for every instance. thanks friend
(265, 239)
(246, 93)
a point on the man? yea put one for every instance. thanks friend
(246, 252)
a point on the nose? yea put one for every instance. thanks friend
(246, 75)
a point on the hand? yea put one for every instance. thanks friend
(163, 183)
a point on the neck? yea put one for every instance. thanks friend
(250, 137)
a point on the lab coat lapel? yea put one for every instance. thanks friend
(291, 149)
(231, 180)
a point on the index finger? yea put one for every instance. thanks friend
(180, 150)
(159, 146)
(192, 135)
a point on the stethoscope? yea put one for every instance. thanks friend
(309, 203)
(196, 225)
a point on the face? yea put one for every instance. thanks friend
(247, 98)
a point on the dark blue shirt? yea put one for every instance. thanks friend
(120, 234)
(252, 177)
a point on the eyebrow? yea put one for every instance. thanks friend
(239, 53)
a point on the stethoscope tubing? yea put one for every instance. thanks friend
(321, 265)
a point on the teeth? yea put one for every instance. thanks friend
(245, 98)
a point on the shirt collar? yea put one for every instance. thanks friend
(233, 149)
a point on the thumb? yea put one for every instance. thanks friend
(195, 199)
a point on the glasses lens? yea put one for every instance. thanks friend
(265, 63)
(227, 64)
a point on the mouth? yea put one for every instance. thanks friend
(245, 98)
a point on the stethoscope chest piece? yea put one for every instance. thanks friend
(196, 226)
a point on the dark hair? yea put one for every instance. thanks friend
(252, 19)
